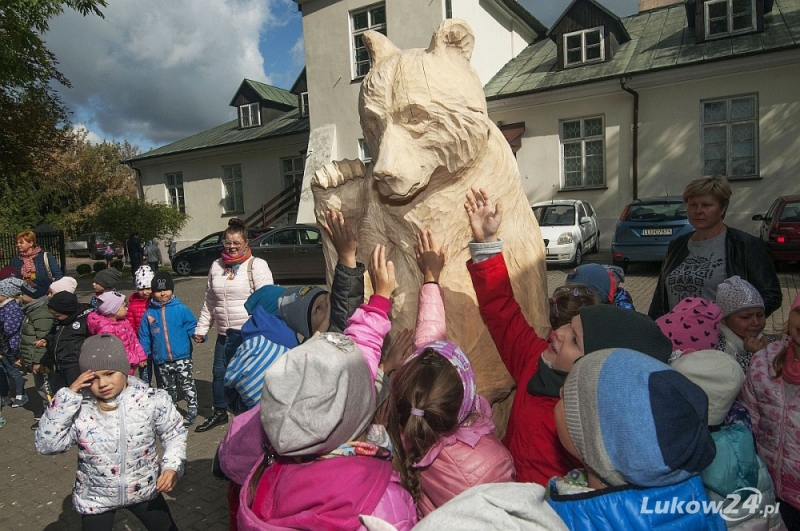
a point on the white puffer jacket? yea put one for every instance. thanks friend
(225, 297)
(117, 454)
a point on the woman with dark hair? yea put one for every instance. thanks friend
(698, 262)
(37, 268)
(231, 280)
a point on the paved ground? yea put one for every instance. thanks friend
(35, 490)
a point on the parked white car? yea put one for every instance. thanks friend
(569, 228)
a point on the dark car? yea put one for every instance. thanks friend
(645, 229)
(293, 252)
(780, 229)
(198, 257)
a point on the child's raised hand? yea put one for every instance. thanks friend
(430, 257)
(398, 350)
(483, 218)
(166, 481)
(342, 237)
(381, 272)
(82, 382)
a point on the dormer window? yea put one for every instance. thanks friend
(249, 115)
(585, 46)
(726, 17)
(304, 104)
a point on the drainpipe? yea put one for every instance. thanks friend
(139, 184)
(635, 159)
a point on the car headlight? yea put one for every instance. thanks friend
(565, 238)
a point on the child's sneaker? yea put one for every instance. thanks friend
(2, 421)
(7, 401)
(20, 401)
(189, 419)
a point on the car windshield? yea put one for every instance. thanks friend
(555, 215)
(656, 212)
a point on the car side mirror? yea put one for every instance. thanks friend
(758, 217)
(586, 219)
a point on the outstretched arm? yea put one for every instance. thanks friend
(347, 289)
(431, 324)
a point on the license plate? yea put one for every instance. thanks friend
(657, 232)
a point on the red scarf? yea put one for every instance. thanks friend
(232, 264)
(28, 270)
(791, 366)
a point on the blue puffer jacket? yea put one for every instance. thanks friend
(166, 331)
(631, 508)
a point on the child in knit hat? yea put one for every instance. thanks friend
(692, 325)
(115, 471)
(604, 281)
(642, 447)
(64, 341)
(442, 430)
(736, 465)
(166, 335)
(109, 318)
(770, 393)
(104, 281)
(539, 366)
(10, 325)
(743, 320)
(317, 402)
(138, 302)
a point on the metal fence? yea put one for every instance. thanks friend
(51, 242)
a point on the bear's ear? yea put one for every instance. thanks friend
(456, 35)
(379, 47)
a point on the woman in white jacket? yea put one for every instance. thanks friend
(115, 428)
(231, 280)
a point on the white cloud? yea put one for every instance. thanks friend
(160, 70)
(91, 136)
(298, 52)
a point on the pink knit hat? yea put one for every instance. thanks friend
(693, 324)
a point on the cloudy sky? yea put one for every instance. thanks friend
(155, 71)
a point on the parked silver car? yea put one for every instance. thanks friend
(569, 228)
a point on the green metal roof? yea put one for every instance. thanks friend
(229, 133)
(268, 93)
(660, 39)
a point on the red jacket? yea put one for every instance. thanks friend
(531, 435)
(137, 305)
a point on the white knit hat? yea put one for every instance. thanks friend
(735, 294)
(144, 275)
(718, 374)
(64, 284)
(317, 396)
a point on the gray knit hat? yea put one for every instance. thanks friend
(735, 294)
(103, 352)
(317, 396)
(295, 305)
(108, 278)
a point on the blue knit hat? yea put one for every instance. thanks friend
(266, 297)
(634, 420)
(596, 278)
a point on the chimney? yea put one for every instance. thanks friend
(647, 5)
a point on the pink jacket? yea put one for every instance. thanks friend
(473, 457)
(225, 298)
(100, 324)
(316, 501)
(776, 421)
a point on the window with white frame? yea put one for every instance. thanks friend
(363, 151)
(370, 18)
(730, 136)
(724, 17)
(174, 183)
(583, 152)
(232, 188)
(304, 104)
(249, 115)
(585, 46)
(292, 171)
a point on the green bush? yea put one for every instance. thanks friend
(98, 266)
(83, 269)
(117, 264)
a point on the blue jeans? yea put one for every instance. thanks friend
(218, 373)
(13, 374)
